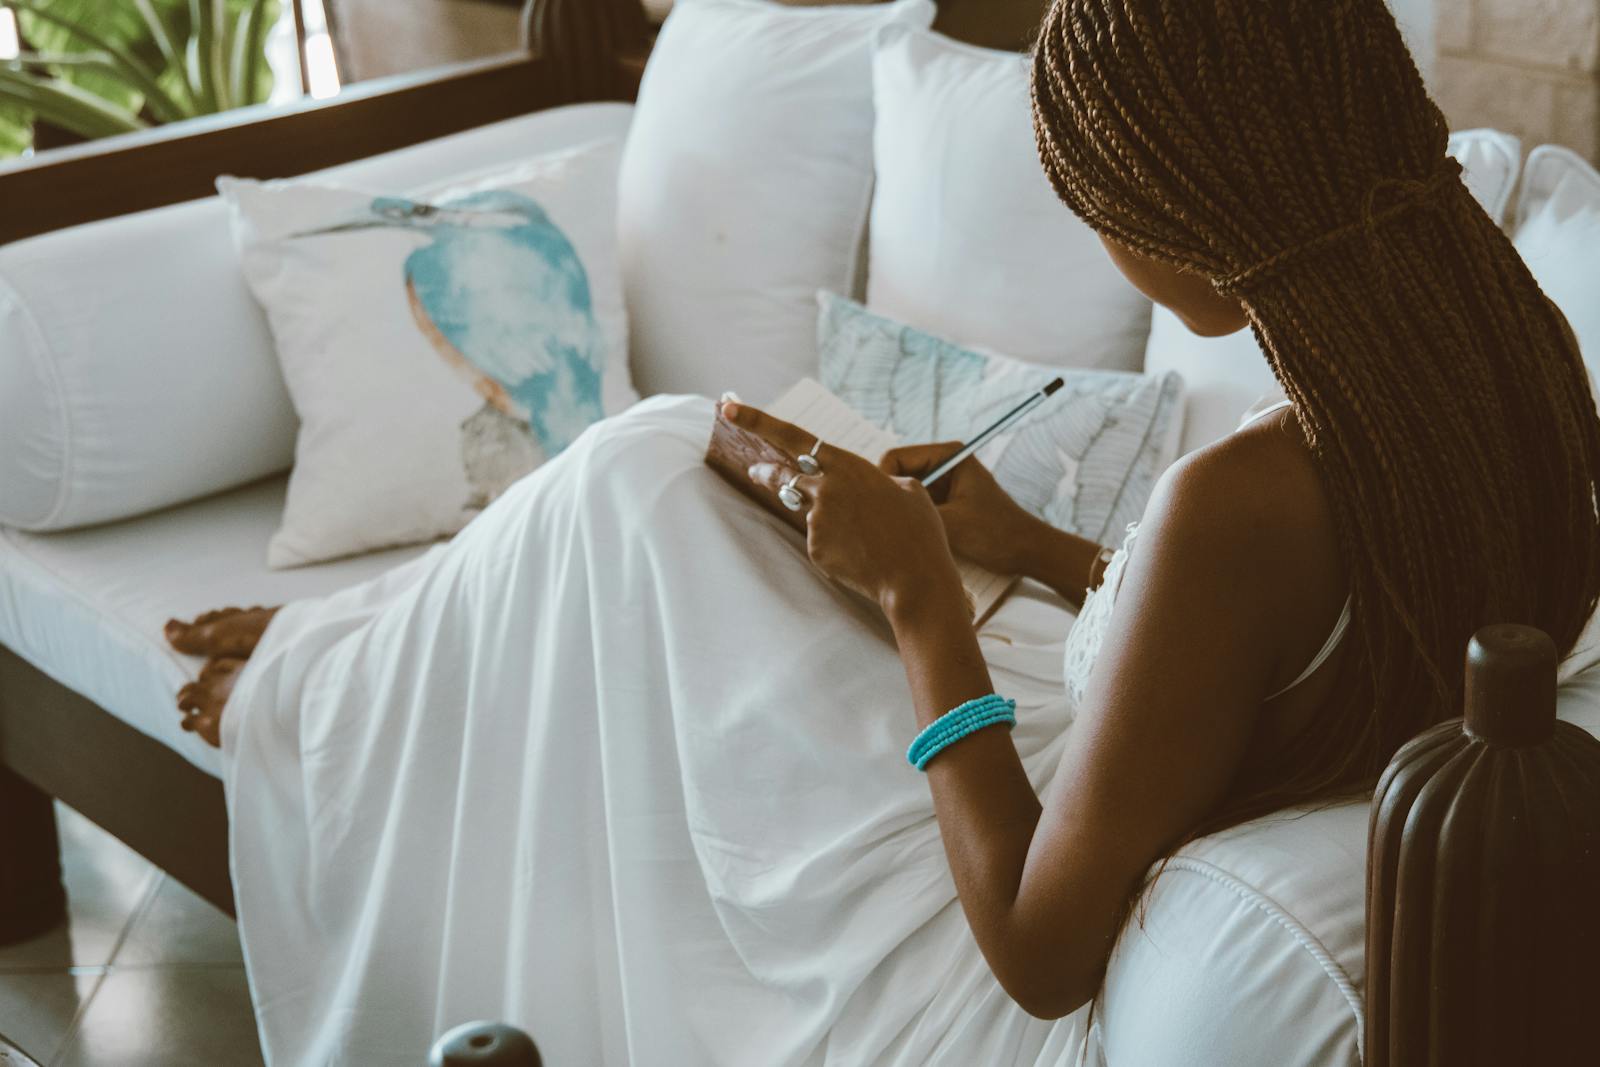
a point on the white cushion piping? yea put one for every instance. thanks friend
(1306, 939)
(41, 356)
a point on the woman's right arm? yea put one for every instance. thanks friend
(985, 525)
(1067, 563)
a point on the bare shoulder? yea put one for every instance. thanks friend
(1253, 511)
(1260, 479)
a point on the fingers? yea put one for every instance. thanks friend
(914, 461)
(786, 436)
(774, 476)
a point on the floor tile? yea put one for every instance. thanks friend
(177, 1016)
(175, 926)
(36, 1010)
(106, 883)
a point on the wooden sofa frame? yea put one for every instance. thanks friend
(54, 743)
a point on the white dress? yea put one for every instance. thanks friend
(618, 767)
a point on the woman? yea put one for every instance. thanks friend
(1295, 606)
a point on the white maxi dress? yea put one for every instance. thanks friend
(618, 766)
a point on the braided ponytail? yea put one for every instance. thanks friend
(1287, 150)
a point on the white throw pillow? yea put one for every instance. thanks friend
(137, 372)
(1085, 461)
(745, 187)
(1559, 238)
(1490, 161)
(1227, 375)
(438, 349)
(967, 237)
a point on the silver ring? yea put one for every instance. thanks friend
(808, 463)
(791, 496)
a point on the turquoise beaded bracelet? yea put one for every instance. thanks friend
(957, 723)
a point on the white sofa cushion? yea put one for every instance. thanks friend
(135, 369)
(1490, 161)
(745, 187)
(1226, 375)
(967, 237)
(437, 349)
(1250, 950)
(87, 606)
(1558, 234)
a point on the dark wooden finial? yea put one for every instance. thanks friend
(1483, 876)
(485, 1045)
(1511, 685)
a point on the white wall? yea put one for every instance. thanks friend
(1416, 19)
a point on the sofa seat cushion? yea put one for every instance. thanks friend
(87, 607)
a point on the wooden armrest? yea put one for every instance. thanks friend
(171, 164)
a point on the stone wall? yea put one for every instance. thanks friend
(1531, 67)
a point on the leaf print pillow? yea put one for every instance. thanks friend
(1086, 461)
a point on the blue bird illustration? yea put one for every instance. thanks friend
(500, 292)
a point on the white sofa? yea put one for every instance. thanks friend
(1251, 948)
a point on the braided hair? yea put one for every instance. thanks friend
(1287, 150)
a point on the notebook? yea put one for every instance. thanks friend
(812, 408)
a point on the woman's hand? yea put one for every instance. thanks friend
(981, 521)
(875, 533)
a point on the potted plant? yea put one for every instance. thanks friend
(94, 68)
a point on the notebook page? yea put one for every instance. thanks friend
(815, 410)
(812, 408)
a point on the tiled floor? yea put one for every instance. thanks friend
(144, 973)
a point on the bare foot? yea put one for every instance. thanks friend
(231, 633)
(202, 700)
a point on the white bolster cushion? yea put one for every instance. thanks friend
(1250, 948)
(137, 372)
(1250, 952)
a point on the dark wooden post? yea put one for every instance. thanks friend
(594, 49)
(32, 899)
(1483, 877)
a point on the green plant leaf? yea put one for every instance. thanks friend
(249, 52)
(60, 59)
(65, 105)
(127, 67)
(150, 43)
(202, 37)
(165, 43)
(107, 20)
(16, 129)
(218, 55)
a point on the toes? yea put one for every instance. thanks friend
(218, 668)
(178, 635)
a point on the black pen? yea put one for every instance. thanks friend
(1001, 426)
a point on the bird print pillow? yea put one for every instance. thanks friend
(1085, 461)
(437, 346)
